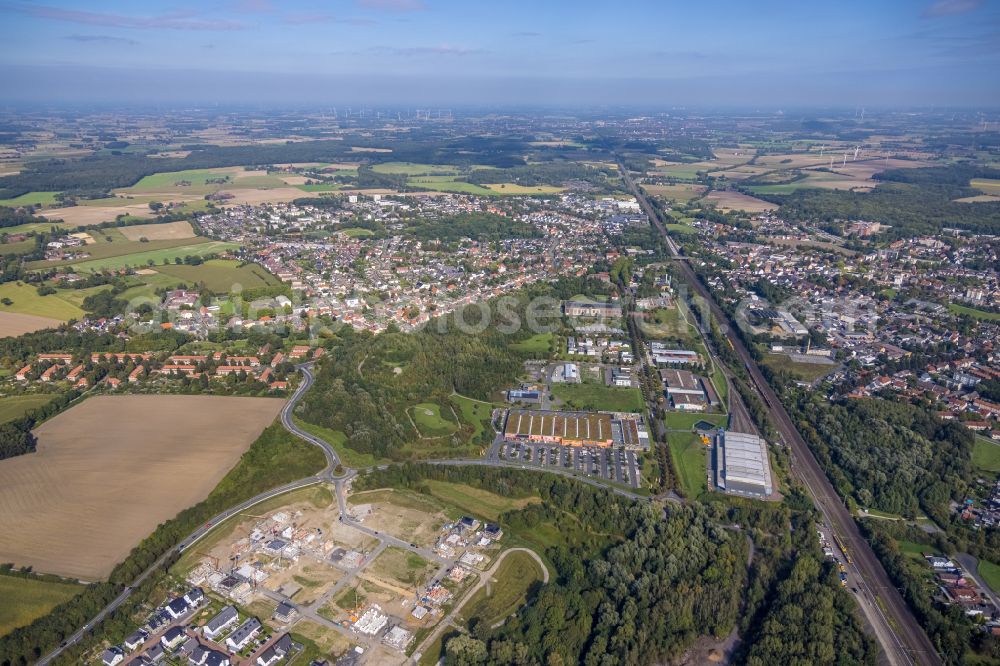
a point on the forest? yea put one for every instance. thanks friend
(859, 441)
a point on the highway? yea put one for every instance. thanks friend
(902, 639)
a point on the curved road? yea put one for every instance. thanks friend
(908, 643)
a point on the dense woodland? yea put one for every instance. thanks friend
(885, 455)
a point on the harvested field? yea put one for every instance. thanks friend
(77, 216)
(254, 197)
(727, 201)
(679, 192)
(164, 231)
(112, 468)
(13, 324)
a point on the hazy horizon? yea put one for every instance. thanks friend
(941, 53)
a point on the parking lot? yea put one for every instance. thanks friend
(617, 465)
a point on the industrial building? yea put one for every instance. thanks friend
(576, 428)
(592, 309)
(741, 464)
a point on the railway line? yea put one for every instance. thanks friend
(901, 637)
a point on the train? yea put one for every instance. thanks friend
(843, 548)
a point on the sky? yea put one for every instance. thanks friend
(756, 53)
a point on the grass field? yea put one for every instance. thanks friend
(414, 169)
(537, 344)
(63, 509)
(986, 455)
(25, 600)
(350, 457)
(497, 600)
(974, 313)
(599, 397)
(175, 250)
(357, 232)
(448, 184)
(431, 421)
(162, 231)
(987, 185)
(688, 455)
(31, 199)
(475, 501)
(401, 566)
(111, 243)
(25, 299)
(682, 421)
(473, 412)
(16, 406)
(166, 180)
(686, 229)
(514, 188)
(991, 574)
(807, 372)
(219, 275)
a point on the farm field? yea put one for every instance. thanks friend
(112, 468)
(599, 397)
(16, 406)
(111, 243)
(507, 592)
(678, 192)
(729, 200)
(77, 216)
(176, 249)
(26, 599)
(414, 169)
(448, 184)
(219, 275)
(986, 185)
(162, 231)
(13, 324)
(31, 199)
(58, 307)
(514, 188)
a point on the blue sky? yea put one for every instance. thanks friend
(547, 52)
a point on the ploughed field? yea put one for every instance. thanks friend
(111, 469)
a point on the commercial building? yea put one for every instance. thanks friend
(741, 464)
(573, 428)
(589, 309)
(685, 390)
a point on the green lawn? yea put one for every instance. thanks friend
(357, 232)
(538, 343)
(31, 199)
(986, 455)
(599, 397)
(449, 184)
(431, 421)
(497, 600)
(16, 406)
(475, 501)
(682, 421)
(402, 566)
(972, 312)
(991, 574)
(688, 455)
(681, 229)
(25, 600)
(220, 275)
(167, 179)
(914, 550)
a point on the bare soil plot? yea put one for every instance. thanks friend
(78, 216)
(109, 470)
(680, 192)
(13, 324)
(164, 231)
(406, 516)
(727, 201)
(255, 196)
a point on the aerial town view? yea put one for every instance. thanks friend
(418, 332)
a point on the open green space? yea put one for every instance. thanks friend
(973, 312)
(357, 232)
(914, 550)
(321, 187)
(27, 246)
(25, 299)
(415, 169)
(23, 600)
(16, 406)
(448, 184)
(170, 179)
(991, 574)
(220, 275)
(476, 501)
(683, 421)
(539, 343)
(336, 438)
(514, 188)
(402, 566)
(110, 243)
(688, 455)
(431, 421)
(681, 229)
(143, 259)
(599, 397)
(507, 592)
(473, 412)
(808, 372)
(986, 455)
(31, 199)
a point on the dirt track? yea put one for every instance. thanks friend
(112, 468)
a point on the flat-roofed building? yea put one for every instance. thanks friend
(571, 428)
(742, 466)
(592, 309)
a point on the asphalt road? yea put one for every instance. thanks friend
(908, 643)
